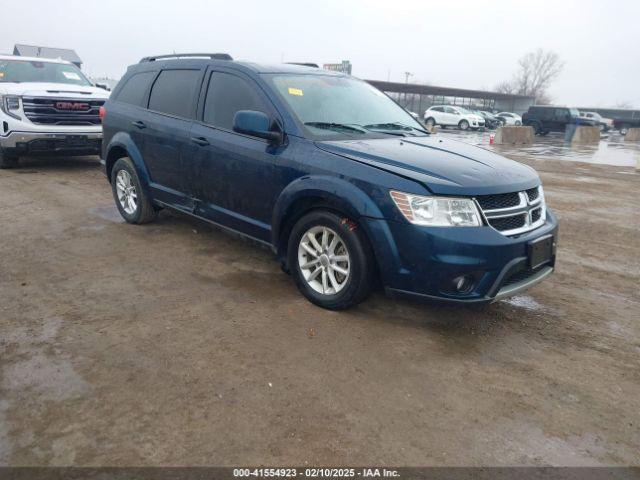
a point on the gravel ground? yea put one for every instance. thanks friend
(177, 344)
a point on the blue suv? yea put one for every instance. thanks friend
(341, 182)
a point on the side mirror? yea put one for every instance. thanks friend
(256, 124)
(103, 86)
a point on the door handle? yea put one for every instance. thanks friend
(139, 124)
(203, 142)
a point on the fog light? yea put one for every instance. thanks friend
(463, 283)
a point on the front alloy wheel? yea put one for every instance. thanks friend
(324, 260)
(330, 259)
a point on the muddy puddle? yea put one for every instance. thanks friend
(611, 150)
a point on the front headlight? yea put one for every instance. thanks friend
(437, 211)
(10, 104)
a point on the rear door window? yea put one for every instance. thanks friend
(135, 89)
(174, 91)
(226, 95)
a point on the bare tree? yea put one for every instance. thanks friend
(506, 87)
(536, 72)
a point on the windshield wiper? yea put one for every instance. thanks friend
(335, 126)
(394, 126)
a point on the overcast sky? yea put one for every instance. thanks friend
(468, 44)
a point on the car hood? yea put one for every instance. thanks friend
(443, 166)
(57, 90)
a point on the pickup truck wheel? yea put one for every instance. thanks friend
(537, 128)
(463, 125)
(330, 259)
(132, 202)
(8, 161)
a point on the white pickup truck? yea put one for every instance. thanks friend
(47, 107)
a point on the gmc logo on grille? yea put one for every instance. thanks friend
(72, 106)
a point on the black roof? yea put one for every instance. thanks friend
(223, 59)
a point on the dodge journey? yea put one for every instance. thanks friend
(346, 187)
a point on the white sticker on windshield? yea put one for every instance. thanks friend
(71, 75)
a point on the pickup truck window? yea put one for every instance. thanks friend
(226, 95)
(173, 92)
(21, 71)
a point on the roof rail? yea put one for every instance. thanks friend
(304, 64)
(213, 56)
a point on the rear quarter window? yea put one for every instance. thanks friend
(173, 92)
(135, 89)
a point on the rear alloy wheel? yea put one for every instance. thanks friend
(463, 125)
(330, 260)
(131, 200)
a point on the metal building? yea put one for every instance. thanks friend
(47, 52)
(417, 98)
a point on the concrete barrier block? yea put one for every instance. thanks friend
(633, 135)
(510, 135)
(582, 134)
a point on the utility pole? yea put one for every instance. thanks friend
(406, 76)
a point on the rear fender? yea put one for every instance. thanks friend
(122, 141)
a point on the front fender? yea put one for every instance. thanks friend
(334, 191)
(352, 201)
(122, 141)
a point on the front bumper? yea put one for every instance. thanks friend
(421, 262)
(51, 143)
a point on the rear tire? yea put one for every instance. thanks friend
(133, 203)
(336, 270)
(8, 161)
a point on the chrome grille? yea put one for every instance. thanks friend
(516, 212)
(62, 111)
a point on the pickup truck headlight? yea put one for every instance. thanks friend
(437, 211)
(10, 104)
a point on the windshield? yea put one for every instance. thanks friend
(574, 112)
(34, 71)
(328, 106)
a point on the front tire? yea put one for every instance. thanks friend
(330, 260)
(518, 123)
(463, 125)
(430, 122)
(8, 161)
(133, 203)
